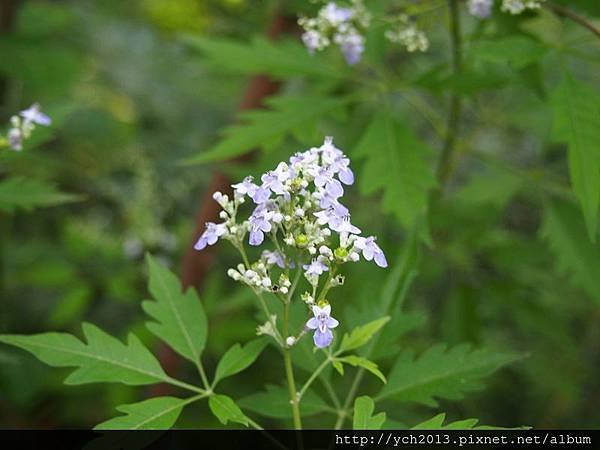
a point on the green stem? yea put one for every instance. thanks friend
(314, 376)
(183, 385)
(203, 376)
(448, 158)
(289, 372)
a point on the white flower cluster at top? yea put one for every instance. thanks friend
(483, 8)
(22, 126)
(296, 207)
(340, 25)
(407, 34)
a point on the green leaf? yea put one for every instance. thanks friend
(27, 194)
(437, 423)
(577, 121)
(441, 373)
(180, 318)
(237, 358)
(363, 415)
(103, 359)
(563, 228)
(516, 51)
(260, 127)
(395, 164)
(159, 413)
(275, 403)
(362, 334)
(282, 59)
(359, 361)
(225, 409)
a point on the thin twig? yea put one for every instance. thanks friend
(564, 12)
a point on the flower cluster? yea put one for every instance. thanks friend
(296, 207)
(480, 8)
(340, 25)
(407, 34)
(518, 6)
(22, 126)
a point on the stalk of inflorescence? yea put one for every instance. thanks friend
(297, 209)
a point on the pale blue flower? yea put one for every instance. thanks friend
(211, 235)
(315, 268)
(480, 8)
(371, 251)
(34, 115)
(322, 323)
(343, 225)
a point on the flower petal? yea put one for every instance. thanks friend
(312, 323)
(323, 340)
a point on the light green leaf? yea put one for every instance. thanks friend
(395, 164)
(437, 423)
(577, 121)
(517, 51)
(441, 373)
(260, 127)
(361, 335)
(27, 194)
(359, 361)
(363, 415)
(159, 413)
(563, 228)
(275, 402)
(180, 318)
(282, 59)
(237, 358)
(103, 359)
(225, 409)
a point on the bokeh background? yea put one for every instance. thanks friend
(132, 97)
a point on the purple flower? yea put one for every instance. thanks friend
(313, 40)
(371, 250)
(336, 15)
(322, 323)
(256, 193)
(315, 268)
(211, 235)
(334, 189)
(333, 213)
(343, 225)
(34, 115)
(274, 258)
(259, 223)
(352, 46)
(480, 8)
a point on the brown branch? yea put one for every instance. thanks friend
(564, 12)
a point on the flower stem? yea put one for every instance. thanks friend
(289, 372)
(448, 158)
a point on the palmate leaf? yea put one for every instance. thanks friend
(441, 373)
(575, 256)
(180, 318)
(437, 423)
(275, 402)
(158, 413)
(281, 59)
(395, 164)
(363, 418)
(577, 121)
(238, 358)
(258, 128)
(27, 194)
(103, 359)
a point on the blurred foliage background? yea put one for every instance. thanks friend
(135, 88)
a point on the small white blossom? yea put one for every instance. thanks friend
(519, 6)
(408, 35)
